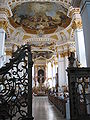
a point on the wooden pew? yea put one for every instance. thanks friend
(59, 103)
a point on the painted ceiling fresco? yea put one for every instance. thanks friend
(43, 16)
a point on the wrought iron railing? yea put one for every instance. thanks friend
(79, 92)
(16, 86)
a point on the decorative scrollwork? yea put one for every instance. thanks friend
(14, 89)
(79, 91)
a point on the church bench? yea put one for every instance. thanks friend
(59, 103)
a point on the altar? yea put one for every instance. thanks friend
(40, 79)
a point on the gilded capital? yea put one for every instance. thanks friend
(77, 24)
(4, 25)
(8, 52)
(72, 11)
(55, 62)
(51, 65)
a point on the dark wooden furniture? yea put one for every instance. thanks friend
(59, 103)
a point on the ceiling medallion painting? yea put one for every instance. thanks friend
(45, 17)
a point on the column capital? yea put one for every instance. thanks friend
(77, 24)
(5, 13)
(8, 52)
(55, 62)
(74, 13)
(3, 25)
(51, 65)
(6, 10)
(72, 47)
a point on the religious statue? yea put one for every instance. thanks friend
(40, 79)
(71, 59)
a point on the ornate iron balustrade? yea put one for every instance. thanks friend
(16, 86)
(79, 91)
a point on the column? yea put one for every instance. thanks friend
(53, 82)
(46, 76)
(36, 75)
(5, 13)
(50, 75)
(33, 82)
(78, 33)
(55, 67)
(54, 73)
(66, 65)
(61, 71)
(80, 46)
(2, 43)
(85, 14)
(66, 54)
(8, 55)
(46, 71)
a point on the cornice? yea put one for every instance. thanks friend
(65, 49)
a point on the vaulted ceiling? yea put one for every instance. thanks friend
(44, 24)
(40, 16)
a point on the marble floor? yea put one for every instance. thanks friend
(44, 110)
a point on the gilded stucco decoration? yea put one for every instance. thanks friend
(77, 24)
(74, 13)
(8, 52)
(64, 50)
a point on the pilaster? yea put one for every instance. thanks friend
(74, 13)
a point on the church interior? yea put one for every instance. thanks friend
(44, 60)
